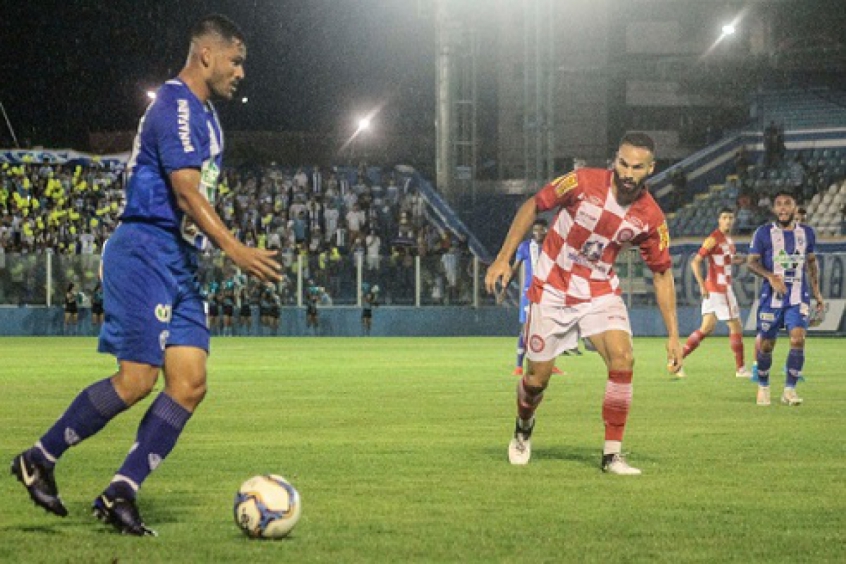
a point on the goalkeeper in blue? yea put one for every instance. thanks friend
(154, 311)
(782, 253)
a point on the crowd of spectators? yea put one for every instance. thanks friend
(321, 220)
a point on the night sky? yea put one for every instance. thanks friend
(74, 66)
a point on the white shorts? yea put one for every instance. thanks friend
(724, 306)
(551, 330)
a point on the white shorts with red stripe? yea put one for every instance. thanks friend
(551, 330)
(723, 305)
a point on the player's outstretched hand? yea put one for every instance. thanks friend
(499, 272)
(674, 356)
(260, 263)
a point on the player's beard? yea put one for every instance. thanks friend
(627, 190)
(786, 224)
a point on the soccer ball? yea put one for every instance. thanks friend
(267, 507)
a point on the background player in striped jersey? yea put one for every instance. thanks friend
(575, 291)
(782, 253)
(527, 257)
(718, 299)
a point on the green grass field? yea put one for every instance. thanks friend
(398, 448)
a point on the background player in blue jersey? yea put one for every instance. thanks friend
(155, 319)
(526, 257)
(782, 253)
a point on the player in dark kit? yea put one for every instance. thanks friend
(155, 312)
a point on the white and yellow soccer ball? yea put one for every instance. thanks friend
(267, 507)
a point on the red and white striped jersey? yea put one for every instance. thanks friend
(590, 229)
(719, 250)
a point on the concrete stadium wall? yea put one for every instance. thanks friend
(346, 322)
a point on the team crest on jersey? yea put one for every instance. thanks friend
(664, 236)
(625, 235)
(536, 343)
(163, 313)
(564, 184)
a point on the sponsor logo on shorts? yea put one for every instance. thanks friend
(766, 326)
(163, 336)
(536, 343)
(763, 316)
(163, 313)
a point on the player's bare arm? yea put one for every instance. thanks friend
(753, 262)
(500, 270)
(696, 269)
(665, 295)
(814, 279)
(258, 262)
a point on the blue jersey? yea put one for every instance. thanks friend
(784, 252)
(177, 132)
(527, 253)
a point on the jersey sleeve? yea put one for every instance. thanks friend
(559, 192)
(707, 246)
(179, 131)
(655, 248)
(758, 244)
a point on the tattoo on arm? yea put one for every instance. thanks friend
(814, 274)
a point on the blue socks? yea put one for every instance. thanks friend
(521, 350)
(765, 361)
(89, 412)
(157, 435)
(795, 362)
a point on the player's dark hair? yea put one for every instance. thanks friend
(727, 210)
(541, 221)
(787, 193)
(638, 139)
(217, 24)
(802, 210)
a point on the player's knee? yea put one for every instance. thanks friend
(797, 342)
(134, 382)
(621, 360)
(767, 346)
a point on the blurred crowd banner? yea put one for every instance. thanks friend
(449, 279)
(61, 156)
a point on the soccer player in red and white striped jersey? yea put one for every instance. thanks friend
(718, 299)
(575, 291)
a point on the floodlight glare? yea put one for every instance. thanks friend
(363, 123)
(729, 29)
(244, 100)
(151, 95)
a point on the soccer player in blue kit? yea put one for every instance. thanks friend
(155, 320)
(782, 253)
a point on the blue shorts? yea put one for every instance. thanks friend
(151, 295)
(770, 320)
